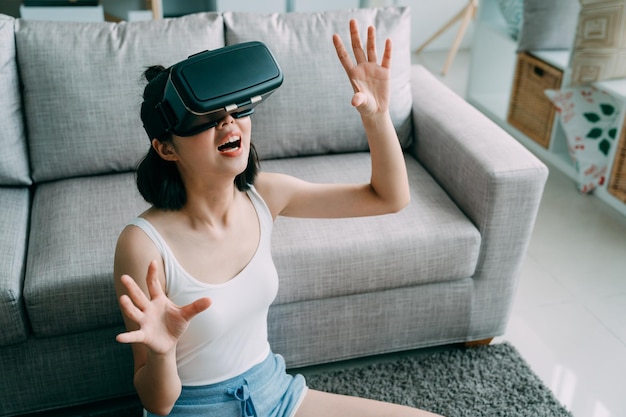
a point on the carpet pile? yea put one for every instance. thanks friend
(482, 381)
(490, 380)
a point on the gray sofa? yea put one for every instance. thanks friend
(442, 271)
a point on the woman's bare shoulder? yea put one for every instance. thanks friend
(134, 251)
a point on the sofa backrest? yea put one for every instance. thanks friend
(14, 169)
(311, 113)
(83, 85)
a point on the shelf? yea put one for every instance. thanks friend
(496, 104)
(489, 88)
(557, 58)
(561, 160)
(491, 84)
(561, 59)
(490, 14)
(615, 87)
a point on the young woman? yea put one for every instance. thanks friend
(197, 320)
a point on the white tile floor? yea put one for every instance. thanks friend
(569, 317)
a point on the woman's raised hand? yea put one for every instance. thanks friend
(161, 323)
(369, 80)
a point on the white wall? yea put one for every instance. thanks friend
(427, 15)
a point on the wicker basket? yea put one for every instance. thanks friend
(617, 183)
(530, 110)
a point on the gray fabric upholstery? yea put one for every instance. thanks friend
(14, 206)
(495, 181)
(83, 85)
(373, 323)
(41, 374)
(75, 224)
(311, 113)
(14, 169)
(548, 25)
(419, 241)
(442, 271)
(325, 258)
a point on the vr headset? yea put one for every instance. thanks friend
(204, 88)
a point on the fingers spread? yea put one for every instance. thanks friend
(191, 310)
(371, 44)
(134, 292)
(152, 280)
(136, 336)
(357, 48)
(342, 53)
(386, 62)
(129, 309)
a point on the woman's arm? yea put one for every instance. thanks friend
(153, 322)
(388, 190)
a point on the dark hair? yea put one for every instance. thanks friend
(158, 180)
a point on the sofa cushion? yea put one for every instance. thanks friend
(14, 206)
(14, 168)
(429, 241)
(599, 51)
(590, 118)
(513, 13)
(548, 25)
(311, 113)
(83, 85)
(66, 292)
(75, 223)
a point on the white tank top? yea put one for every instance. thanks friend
(231, 336)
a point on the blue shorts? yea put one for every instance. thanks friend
(265, 390)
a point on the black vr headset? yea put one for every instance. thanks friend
(204, 88)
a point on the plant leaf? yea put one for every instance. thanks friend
(605, 147)
(594, 133)
(612, 133)
(607, 109)
(592, 117)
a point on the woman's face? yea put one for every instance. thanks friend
(222, 150)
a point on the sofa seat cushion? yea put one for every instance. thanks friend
(429, 241)
(311, 114)
(74, 228)
(83, 86)
(75, 224)
(14, 206)
(14, 169)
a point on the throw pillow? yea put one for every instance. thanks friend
(590, 118)
(311, 114)
(83, 85)
(513, 13)
(548, 25)
(600, 48)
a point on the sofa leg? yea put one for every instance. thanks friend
(476, 343)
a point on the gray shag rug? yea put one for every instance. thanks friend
(489, 380)
(482, 381)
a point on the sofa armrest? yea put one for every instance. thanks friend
(495, 181)
(14, 206)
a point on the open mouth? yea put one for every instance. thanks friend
(231, 145)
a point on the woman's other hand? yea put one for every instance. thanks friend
(161, 322)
